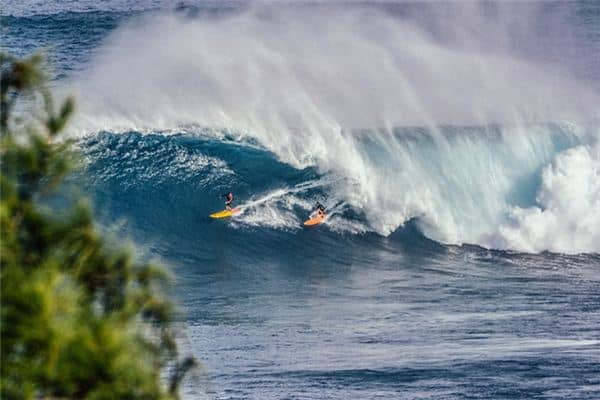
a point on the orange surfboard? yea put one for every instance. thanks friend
(316, 220)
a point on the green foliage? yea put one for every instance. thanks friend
(79, 319)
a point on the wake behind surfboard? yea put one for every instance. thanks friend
(225, 213)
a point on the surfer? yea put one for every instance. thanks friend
(228, 200)
(317, 216)
(320, 211)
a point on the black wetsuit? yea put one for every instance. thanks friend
(321, 207)
(228, 199)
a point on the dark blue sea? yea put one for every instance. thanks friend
(456, 147)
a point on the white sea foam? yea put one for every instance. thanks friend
(567, 216)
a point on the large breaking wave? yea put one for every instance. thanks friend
(454, 128)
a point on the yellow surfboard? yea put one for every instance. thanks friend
(225, 213)
(316, 220)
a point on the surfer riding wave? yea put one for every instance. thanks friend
(228, 200)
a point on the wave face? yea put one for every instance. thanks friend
(533, 190)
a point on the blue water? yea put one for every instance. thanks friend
(275, 311)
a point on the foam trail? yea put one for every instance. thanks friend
(278, 193)
(276, 208)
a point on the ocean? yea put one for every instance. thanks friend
(456, 147)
